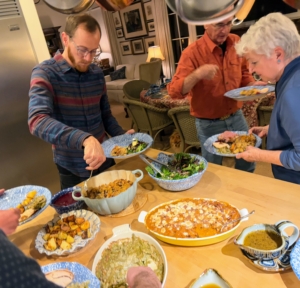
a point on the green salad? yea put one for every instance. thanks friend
(185, 165)
(136, 146)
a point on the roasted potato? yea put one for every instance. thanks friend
(65, 245)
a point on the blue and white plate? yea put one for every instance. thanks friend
(123, 141)
(208, 144)
(12, 197)
(235, 94)
(295, 259)
(81, 273)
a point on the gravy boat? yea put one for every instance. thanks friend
(277, 228)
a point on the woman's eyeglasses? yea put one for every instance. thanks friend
(83, 52)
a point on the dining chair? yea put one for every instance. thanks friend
(151, 71)
(147, 118)
(185, 124)
(133, 89)
(264, 116)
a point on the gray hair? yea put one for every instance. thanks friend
(269, 32)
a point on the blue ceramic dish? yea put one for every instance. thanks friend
(181, 184)
(81, 273)
(295, 259)
(65, 209)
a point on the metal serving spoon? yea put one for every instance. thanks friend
(235, 220)
(85, 182)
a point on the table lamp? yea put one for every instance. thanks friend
(154, 53)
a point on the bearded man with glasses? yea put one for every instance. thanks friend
(207, 69)
(68, 104)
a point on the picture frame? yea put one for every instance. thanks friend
(126, 48)
(138, 46)
(149, 41)
(148, 11)
(120, 33)
(133, 20)
(117, 19)
(151, 26)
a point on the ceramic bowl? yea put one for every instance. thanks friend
(112, 205)
(295, 259)
(79, 242)
(124, 231)
(181, 184)
(278, 228)
(77, 205)
(210, 276)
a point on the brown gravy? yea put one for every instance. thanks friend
(263, 240)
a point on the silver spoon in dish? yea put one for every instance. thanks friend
(235, 220)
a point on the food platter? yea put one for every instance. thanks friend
(81, 273)
(197, 241)
(123, 141)
(124, 231)
(235, 94)
(79, 242)
(14, 196)
(208, 144)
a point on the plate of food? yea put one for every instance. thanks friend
(67, 233)
(230, 143)
(202, 221)
(31, 200)
(249, 92)
(127, 145)
(70, 274)
(125, 249)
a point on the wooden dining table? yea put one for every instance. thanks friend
(272, 200)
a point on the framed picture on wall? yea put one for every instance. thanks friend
(126, 48)
(120, 33)
(148, 10)
(133, 21)
(149, 41)
(138, 46)
(151, 26)
(117, 19)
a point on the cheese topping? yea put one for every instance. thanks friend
(192, 218)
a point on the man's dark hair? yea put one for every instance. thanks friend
(89, 23)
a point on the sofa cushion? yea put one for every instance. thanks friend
(118, 74)
(117, 84)
(129, 72)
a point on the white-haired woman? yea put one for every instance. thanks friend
(272, 48)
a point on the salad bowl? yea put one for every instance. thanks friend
(173, 181)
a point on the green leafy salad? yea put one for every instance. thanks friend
(185, 165)
(136, 146)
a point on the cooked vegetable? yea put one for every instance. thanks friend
(134, 147)
(185, 165)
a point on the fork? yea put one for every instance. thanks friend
(85, 182)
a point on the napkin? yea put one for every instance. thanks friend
(295, 259)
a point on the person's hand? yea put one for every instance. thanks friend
(93, 153)
(131, 131)
(207, 71)
(142, 277)
(2, 191)
(252, 154)
(260, 131)
(9, 220)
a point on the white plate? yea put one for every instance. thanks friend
(81, 273)
(12, 197)
(124, 231)
(235, 94)
(123, 141)
(79, 242)
(208, 144)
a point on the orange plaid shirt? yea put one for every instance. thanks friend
(207, 96)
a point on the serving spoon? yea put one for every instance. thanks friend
(235, 220)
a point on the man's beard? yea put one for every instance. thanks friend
(78, 66)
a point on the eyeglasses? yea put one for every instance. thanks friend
(83, 52)
(220, 26)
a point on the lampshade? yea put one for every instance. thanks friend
(154, 52)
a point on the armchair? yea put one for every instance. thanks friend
(151, 71)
